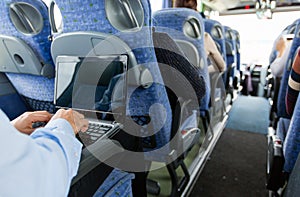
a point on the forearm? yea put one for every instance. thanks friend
(60, 132)
(218, 61)
(42, 164)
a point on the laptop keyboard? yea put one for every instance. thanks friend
(94, 132)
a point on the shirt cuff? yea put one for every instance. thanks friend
(61, 125)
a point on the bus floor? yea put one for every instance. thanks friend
(237, 165)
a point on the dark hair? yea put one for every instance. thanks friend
(179, 3)
(192, 4)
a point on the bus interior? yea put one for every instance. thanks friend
(186, 128)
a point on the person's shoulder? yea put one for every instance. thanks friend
(206, 35)
(207, 38)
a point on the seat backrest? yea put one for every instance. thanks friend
(238, 48)
(290, 29)
(186, 27)
(25, 51)
(217, 32)
(117, 183)
(230, 41)
(292, 188)
(168, 53)
(281, 108)
(187, 86)
(118, 27)
(291, 147)
(10, 102)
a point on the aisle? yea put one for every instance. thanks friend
(249, 113)
(238, 163)
(236, 168)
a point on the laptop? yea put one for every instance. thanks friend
(96, 87)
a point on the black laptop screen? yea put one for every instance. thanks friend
(95, 84)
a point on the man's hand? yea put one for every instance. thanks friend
(24, 122)
(76, 119)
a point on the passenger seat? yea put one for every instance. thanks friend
(281, 108)
(186, 27)
(25, 51)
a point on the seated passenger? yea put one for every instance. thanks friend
(283, 47)
(43, 162)
(293, 85)
(212, 52)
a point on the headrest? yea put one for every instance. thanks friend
(124, 14)
(26, 18)
(297, 32)
(108, 16)
(55, 18)
(229, 48)
(217, 32)
(237, 36)
(25, 39)
(219, 47)
(229, 35)
(192, 28)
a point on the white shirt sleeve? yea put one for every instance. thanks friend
(42, 164)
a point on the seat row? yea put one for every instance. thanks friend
(282, 120)
(33, 37)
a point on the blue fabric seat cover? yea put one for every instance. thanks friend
(118, 183)
(291, 146)
(81, 16)
(281, 108)
(37, 90)
(173, 19)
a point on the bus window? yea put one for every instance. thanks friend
(156, 5)
(257, 36)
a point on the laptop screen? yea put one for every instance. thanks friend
(91, 84)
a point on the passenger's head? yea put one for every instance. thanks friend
(192, 4)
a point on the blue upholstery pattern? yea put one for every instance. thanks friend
(81, 16)
(30, 86)
(281, 108)
(118, 183)
(173, 19)
(34, 87)
(291, 146)
(231, 59)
